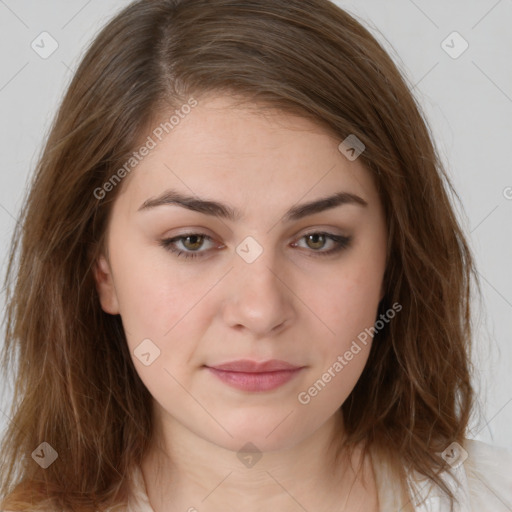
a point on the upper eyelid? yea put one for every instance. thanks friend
(330, 230)
(209, 237)
(178, 238)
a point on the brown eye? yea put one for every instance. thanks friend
(190, 242)
(317, 241)
(196, 242)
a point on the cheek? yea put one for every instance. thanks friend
(350, 303)
(349, 310)
(157, 316)
(155, 297)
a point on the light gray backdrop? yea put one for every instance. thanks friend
(457, 57)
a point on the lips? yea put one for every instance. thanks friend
(247, 375)
(249, 366)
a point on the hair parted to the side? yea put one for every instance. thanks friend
(75, 385)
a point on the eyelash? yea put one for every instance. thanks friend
(342, 242)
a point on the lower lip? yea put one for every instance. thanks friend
(264, 381)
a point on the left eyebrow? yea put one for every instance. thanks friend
(217, 209)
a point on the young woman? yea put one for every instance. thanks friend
(238, 281)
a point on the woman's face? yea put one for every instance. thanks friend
(254, 278)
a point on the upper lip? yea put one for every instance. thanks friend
(249, 366)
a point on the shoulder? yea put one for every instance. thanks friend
(488, 471)
(139, 501)
(480, 478)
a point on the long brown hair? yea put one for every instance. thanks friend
(75, 385)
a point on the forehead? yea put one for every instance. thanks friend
(247, 156)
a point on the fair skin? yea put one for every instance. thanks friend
(291, 303)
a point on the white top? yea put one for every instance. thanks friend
(485, 485)
(485, 476)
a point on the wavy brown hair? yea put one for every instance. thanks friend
(75, 386)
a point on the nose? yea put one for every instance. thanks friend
(259, 296)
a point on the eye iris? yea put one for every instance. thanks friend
(316, 237)
(197, 243)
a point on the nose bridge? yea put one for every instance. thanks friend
(258, 298)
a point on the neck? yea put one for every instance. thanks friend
(183, 471)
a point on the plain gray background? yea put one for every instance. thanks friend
(467, 98)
